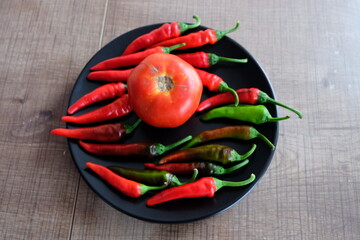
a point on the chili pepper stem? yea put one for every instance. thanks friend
(239, 157)
(255, 133)
(220, 183)
(265, 98)
(214, 59)
(278, 119)
(169, 49)
(160, 148)
(131, 127)
(222, 171)
(221, 34)
(184, 27)
(193, 177)
(223, 87)
(144, 188)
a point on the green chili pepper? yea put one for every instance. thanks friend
(256, 114)
(151, 177)
(242, 132)
(212, 152)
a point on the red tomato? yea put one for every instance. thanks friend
(164, 90)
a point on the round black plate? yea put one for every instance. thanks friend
(237, 76)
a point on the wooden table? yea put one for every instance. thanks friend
(310, 51)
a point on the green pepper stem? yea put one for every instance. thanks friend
(221, 34)
(160, 149)
(193, 177)
(214, 59)
(222, 171)
(278, 119)
(255, 133)
(169, 49)
(263, 98)
(220, 183)
(238, 157)
(131, 127)
(184, 27)
(145, 188)
(223, 87)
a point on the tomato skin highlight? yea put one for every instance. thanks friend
(164, 90)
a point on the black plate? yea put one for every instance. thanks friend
(237, 76)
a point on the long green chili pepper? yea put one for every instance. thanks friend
(212, 152)
(241, 132)
(151, 177)
(256, 114)
(204, 168)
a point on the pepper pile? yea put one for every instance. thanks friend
(200, 155)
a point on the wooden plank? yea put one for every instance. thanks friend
(44, 45)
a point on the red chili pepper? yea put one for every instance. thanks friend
(198, 39)
(245, 95)
(215, 83)
(204, 168)
(141, 149)
(166, 31)
(242, 132)
(117, 108)
(110, 75)
(107, 91)
(132, 59)
(205, 187)
(111, 132)
(206, 60)
(128, 187)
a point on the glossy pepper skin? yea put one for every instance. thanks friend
(118, 108)
(132, 59)
(150, 177)
(241, 132)
(110, 75)
(128, 187)
(257, 114)
(198, 39)
(246, 96)
(204, 187)
(104, 92)
(214, 82)
(204, 168)
(111, 132)
(213, 152)
(164, 32)
(206, 60)
(144, 150)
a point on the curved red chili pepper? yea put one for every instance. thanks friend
(215, 83)
(164, 32)
(204, 187)
(117, 108)
(206, 60)
(140, 149)
(111, 132)
(245, 95)
(132, 59)
(110, 75)
(104, 92)
(128, 187)
(198, 39)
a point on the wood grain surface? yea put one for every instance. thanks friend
(309, 49)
